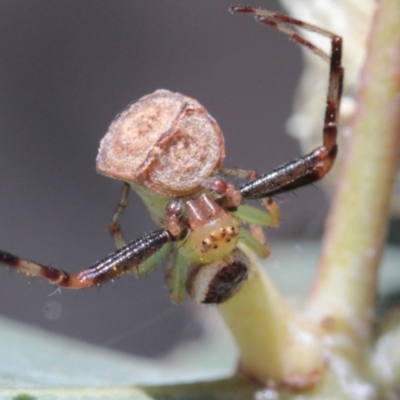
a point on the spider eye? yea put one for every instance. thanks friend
(216, 282)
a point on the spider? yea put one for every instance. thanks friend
(203, 227)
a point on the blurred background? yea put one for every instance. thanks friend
(66, 69)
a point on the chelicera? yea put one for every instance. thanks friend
(170, 151)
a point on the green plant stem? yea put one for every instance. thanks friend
(276, 345)
(345, 288)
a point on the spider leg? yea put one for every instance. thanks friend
(148, 265)
(258, 233)
(176, 277)
(290, 176)
(232, 198)
(113, 266)
(274, 219)
(251, 241)
(114, 226)
(274, 213)
(316, 164)
(257, 218)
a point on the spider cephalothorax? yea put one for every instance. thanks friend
(169, 150)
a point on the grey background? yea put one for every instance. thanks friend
(66, 69)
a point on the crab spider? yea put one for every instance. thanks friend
(203, 220)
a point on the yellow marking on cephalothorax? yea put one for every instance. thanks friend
(219, 237)
(211, 241)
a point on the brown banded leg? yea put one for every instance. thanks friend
(315, 165)
(111, 267)
(290, 176)
(114, 226)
